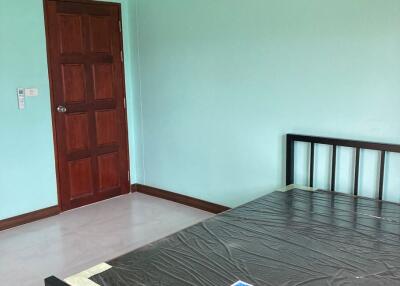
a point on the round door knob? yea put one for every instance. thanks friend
(61, 109)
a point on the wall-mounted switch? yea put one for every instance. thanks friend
(21, 98)
(31, 92)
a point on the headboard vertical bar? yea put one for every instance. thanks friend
(312, 155)
(289, 159)
(382, 174)
(333, 169)
(383, 148)
(357, 171)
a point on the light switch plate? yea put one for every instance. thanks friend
(31, 92)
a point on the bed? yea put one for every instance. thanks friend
(294, 236)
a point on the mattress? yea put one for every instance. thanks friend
(284, 238)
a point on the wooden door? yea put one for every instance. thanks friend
(84, 42)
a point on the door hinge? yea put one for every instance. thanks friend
(129, 175)
(120, 26)
(122, 56)
(124, 103)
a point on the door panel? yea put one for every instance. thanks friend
(102, 80)
(73, 80)
(71, 34)
(86, 71)
(77, 132)
(80, 178)
(108, 171)
(100, 34)
(106, 126)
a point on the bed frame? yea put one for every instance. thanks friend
(54, 281)
(335, 142)
(290, 155)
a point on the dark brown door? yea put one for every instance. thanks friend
(88, 100)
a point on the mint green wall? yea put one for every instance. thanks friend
(212, 87)
(27, 169)
(136, 146)
(222, 81)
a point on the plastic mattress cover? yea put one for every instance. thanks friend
(284, 238)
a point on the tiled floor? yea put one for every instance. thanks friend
(76, 240)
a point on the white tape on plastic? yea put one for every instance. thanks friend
(298, 187)
(82, 279)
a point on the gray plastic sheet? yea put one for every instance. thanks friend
(284, 238)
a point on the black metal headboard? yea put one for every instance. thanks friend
(334, 142)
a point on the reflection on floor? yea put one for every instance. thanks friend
(76, 240)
